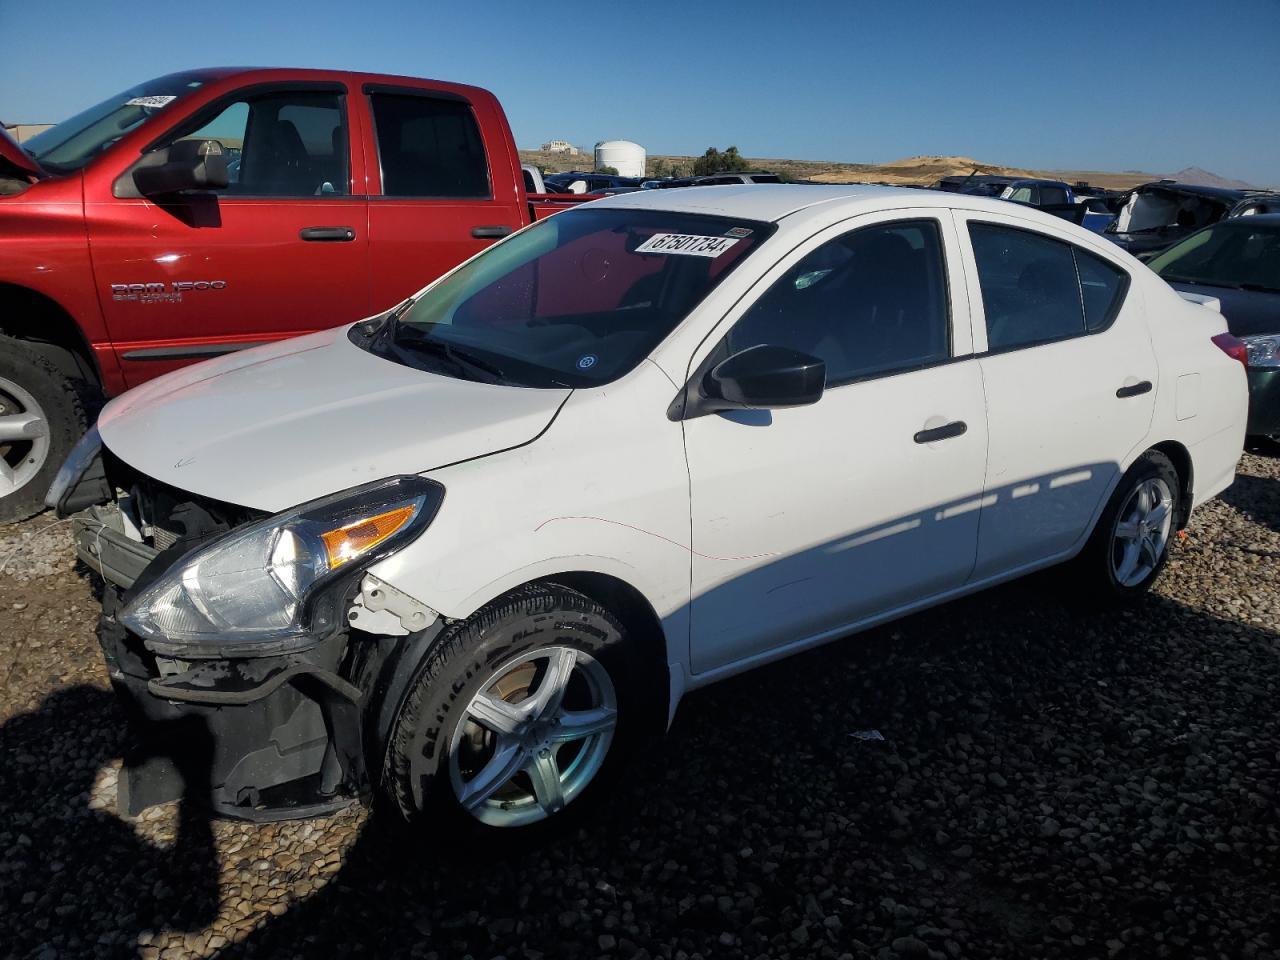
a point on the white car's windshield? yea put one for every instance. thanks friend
(70, 145)
(576, 300)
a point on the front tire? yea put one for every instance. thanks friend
(518, 719)
(42, 415)
(1130, 545)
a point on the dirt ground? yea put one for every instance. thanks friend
(1053, 780)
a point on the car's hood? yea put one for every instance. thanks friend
(14, 157)
(1249, 313)
(288, 422)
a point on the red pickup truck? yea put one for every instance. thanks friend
(208, 211)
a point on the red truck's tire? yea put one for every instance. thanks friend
(31, 385)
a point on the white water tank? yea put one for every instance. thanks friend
(623, 155)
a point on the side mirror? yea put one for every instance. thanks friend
(578, 186)
(763, 377)
(184, 165)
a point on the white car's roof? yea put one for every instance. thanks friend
(766, 201)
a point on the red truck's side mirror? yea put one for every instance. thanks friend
(184, 165)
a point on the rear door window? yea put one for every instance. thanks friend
(1037, 289)
(429, 147)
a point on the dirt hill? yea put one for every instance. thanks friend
(912, 171)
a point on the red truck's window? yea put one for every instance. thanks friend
(291, 144)
(429, 148)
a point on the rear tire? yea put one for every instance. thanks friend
(42, 415)
(485, 750)
(1130, 545)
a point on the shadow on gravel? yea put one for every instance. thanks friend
(79, 881)
(1257, 498)
(1051, 782)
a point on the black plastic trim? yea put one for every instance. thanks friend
(189, 353)
(1134, 389)
(956, 428)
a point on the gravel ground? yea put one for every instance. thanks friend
(1052, 782)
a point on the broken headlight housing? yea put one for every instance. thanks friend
(272, 586)
(1263, 351)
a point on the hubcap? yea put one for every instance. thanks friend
(24, 437)
(533, 737)
(1142, 531)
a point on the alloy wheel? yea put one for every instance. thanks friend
(533, 737)
(24, 437)
(1142, 530)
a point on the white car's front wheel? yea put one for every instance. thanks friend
(517, 717)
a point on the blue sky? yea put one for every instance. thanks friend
(1104, 86)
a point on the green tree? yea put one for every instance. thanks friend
(612, 171)
(713, 161)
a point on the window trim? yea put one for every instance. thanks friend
(123, 187)
(371, 90)
(1112, 313)
(950, 357)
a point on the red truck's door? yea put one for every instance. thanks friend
(283, 250)
(443, 184)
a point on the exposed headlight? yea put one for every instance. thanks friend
(1263, 351)
(269, 586)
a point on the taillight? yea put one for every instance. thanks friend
(1233, 347)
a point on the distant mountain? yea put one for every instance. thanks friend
(1203, 178)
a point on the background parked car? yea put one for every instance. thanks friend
(1237, 262)
(590, 181)
(129, 246)
(1158, 214)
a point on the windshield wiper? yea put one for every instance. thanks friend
(458, 357)
(1259, 288)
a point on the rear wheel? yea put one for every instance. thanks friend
(1130, 545)
(42, 415)
(518, 718)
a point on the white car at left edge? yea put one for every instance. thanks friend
(471, 552)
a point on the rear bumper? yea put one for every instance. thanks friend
(1264, 401)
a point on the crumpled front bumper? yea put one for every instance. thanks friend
(261, 738)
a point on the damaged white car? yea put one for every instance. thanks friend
(469, 553)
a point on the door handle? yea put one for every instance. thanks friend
(492, 232)
(328, 234)
(1134, 389)
(945, 432)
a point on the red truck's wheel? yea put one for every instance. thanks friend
(42, 415)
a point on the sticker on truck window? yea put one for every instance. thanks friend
(686, 245)
(150, 101)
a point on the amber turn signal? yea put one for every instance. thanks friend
(347, 543)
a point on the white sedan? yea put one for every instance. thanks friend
(470, 553)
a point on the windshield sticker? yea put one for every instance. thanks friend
(150, 101)
(686, 245)
(738, 232)
(586, 361)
